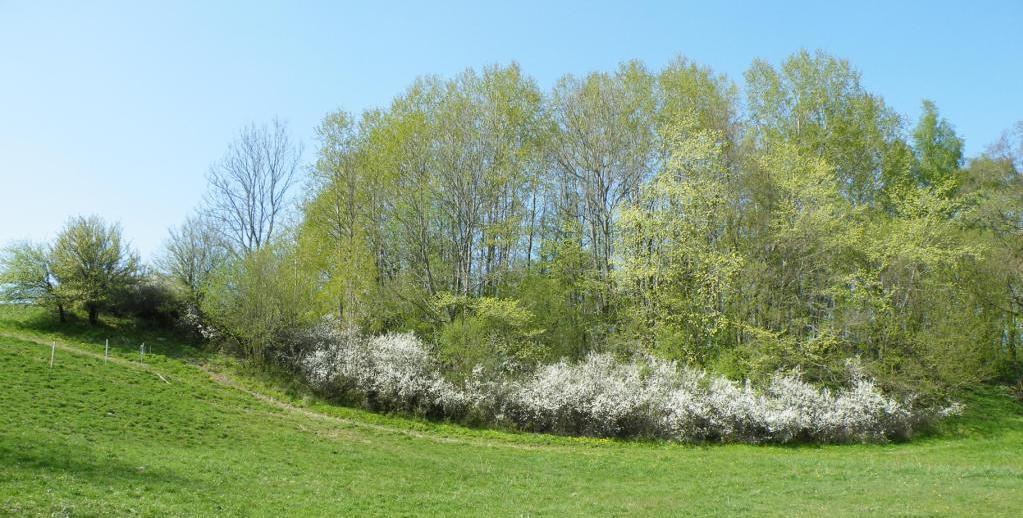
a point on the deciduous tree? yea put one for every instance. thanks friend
(92, 264)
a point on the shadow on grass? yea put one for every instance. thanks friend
(990, 412)
(125, 334)
(43, 458)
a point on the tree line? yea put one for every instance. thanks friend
(794, 222)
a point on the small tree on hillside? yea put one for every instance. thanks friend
(92, 264)
(26, 276)
(192, 253)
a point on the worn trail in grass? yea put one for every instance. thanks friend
(89, 437)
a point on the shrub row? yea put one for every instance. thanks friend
(604, 396)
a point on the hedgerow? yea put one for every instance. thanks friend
(605, 396)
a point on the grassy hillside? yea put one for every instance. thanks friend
(182, 434)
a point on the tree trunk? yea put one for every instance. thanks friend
(61, 313)
(93, 315)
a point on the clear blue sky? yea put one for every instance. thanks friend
(118, 108)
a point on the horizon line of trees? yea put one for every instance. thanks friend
(793, 223)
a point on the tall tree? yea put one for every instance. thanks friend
(249, 186)
(939, 151)
(604, 147)
(816, 102)
(678, 265)
(339, 229)
(995, 181)
(487, 126)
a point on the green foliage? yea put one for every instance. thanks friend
(153, 298)
(88, 266)
(257, 299)
(26, 276)
(816, 102)
(675, 268)
(939, 150)
(336, 240)
(487, 332)
(92, 265)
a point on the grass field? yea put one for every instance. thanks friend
(188, 434)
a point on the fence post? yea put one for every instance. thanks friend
(53, 351)
(106, 351)
(142, 352)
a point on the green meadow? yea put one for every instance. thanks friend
(181, 432)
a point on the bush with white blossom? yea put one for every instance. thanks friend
(606, 397)
(391, 372)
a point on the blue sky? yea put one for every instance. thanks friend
(118, 108)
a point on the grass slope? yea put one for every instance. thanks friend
(185, 435)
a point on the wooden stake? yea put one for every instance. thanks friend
(106, 351)
(142, 352)
(53, 351)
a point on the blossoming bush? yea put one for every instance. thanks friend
(650, 397)
(392, 372)
(606, 397)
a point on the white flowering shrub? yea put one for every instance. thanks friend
(390, 372)
(606, 397)
(599, 396)
(191, 321)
